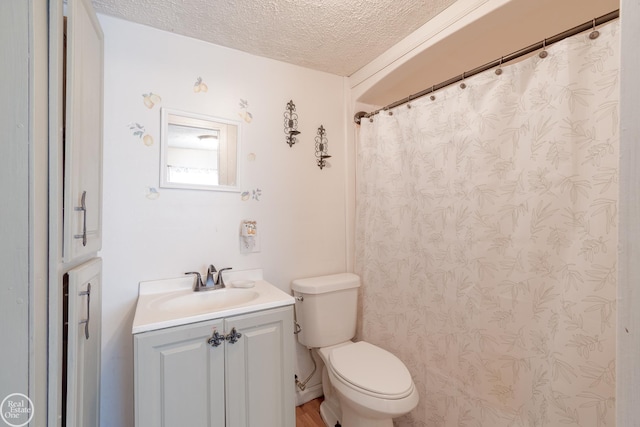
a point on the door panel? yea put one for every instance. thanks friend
(83, 132)
(15, 207)
(179, 377)
(259, 370)
(84, 344)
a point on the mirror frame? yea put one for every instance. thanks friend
(164, 147)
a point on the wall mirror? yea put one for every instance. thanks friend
(199, 152)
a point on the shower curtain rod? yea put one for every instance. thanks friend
(498, 62)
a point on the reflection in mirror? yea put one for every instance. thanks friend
(198, 152)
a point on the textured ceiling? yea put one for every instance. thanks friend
(335, 36)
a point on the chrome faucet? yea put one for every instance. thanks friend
(213, 281)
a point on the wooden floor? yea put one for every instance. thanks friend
(308, 414)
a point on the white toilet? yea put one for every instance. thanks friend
(363, 385)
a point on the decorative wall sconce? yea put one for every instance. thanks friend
(291, 123)
(321, 147)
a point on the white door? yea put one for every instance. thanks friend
(16, 343)
(84, 290)
(83, 132)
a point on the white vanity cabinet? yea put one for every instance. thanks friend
(182, 379)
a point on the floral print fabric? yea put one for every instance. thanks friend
(486, 224)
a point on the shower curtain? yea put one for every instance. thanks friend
(486, 241)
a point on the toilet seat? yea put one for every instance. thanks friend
(371, 370)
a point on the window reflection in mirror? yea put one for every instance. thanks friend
(198, 152)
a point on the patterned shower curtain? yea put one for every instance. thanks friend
(486, 226)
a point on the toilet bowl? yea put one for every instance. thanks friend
(364, 385)
(371, 384)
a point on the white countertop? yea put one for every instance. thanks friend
(172, 302)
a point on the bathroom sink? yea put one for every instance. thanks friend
(172, 302)
(203, 302)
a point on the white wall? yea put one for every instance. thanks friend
(628, 321)
(153, 233)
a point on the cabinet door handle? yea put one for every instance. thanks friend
(216, 339)
(82, 208)
(233, 336)
(86, 321)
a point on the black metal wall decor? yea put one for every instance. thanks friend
(291, 123)
(321, 147)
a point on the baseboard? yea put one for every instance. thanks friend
(308, 394)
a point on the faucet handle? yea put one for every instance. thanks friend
(220, 280)
(211, 271)
(199, 283)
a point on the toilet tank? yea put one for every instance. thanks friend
(326, 308)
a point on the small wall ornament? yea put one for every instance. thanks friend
(321, 147)
(140, 132)
(200, 86)
(291, 123)
(151, 99)
(244, 112)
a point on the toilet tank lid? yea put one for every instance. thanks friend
(322, 284)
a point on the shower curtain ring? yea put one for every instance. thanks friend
(463, 85)
(433, 89)
(499, 69)
(595, 33)
(544, 53)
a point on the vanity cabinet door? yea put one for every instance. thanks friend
(179, 377)
(83, 132)
(259, 370)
